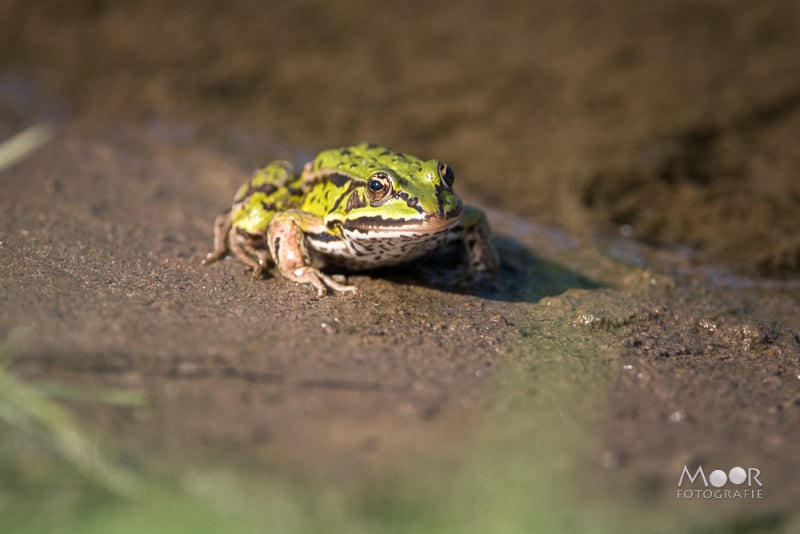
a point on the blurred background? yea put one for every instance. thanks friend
(675, 118)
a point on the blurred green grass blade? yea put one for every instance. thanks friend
(110, 396)
(23, 143)
(26, 409)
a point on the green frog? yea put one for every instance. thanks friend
(352, 208)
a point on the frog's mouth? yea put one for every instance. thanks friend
(429, 224)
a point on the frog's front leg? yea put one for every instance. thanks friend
(477, 238)
(287, 245)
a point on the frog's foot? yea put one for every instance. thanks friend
(320, 280)
(222, 227)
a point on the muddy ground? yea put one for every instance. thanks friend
(638, 161)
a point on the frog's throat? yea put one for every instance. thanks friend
(429, 224)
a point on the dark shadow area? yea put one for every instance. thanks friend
(523, 276)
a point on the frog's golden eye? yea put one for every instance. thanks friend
(446, 173)
(379, 186)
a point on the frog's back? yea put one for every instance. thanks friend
(329, 187)
(362, 160)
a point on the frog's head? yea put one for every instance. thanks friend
(394, 191)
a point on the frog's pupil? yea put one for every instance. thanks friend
(375, 185)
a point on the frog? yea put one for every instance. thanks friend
(354, 208)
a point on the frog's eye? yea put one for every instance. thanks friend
(446, 173)
(379, 186)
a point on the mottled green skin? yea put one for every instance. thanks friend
(358, 207)
(318, 192)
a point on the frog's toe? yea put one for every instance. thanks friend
(211, 257)
(335, 282)
(258, 272)
(321, 281)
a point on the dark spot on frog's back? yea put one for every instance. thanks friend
(385, 153)
(339, 180)
(345, 152)
(268, 206)
(267, 189)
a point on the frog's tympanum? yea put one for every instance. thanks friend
(354, 208)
